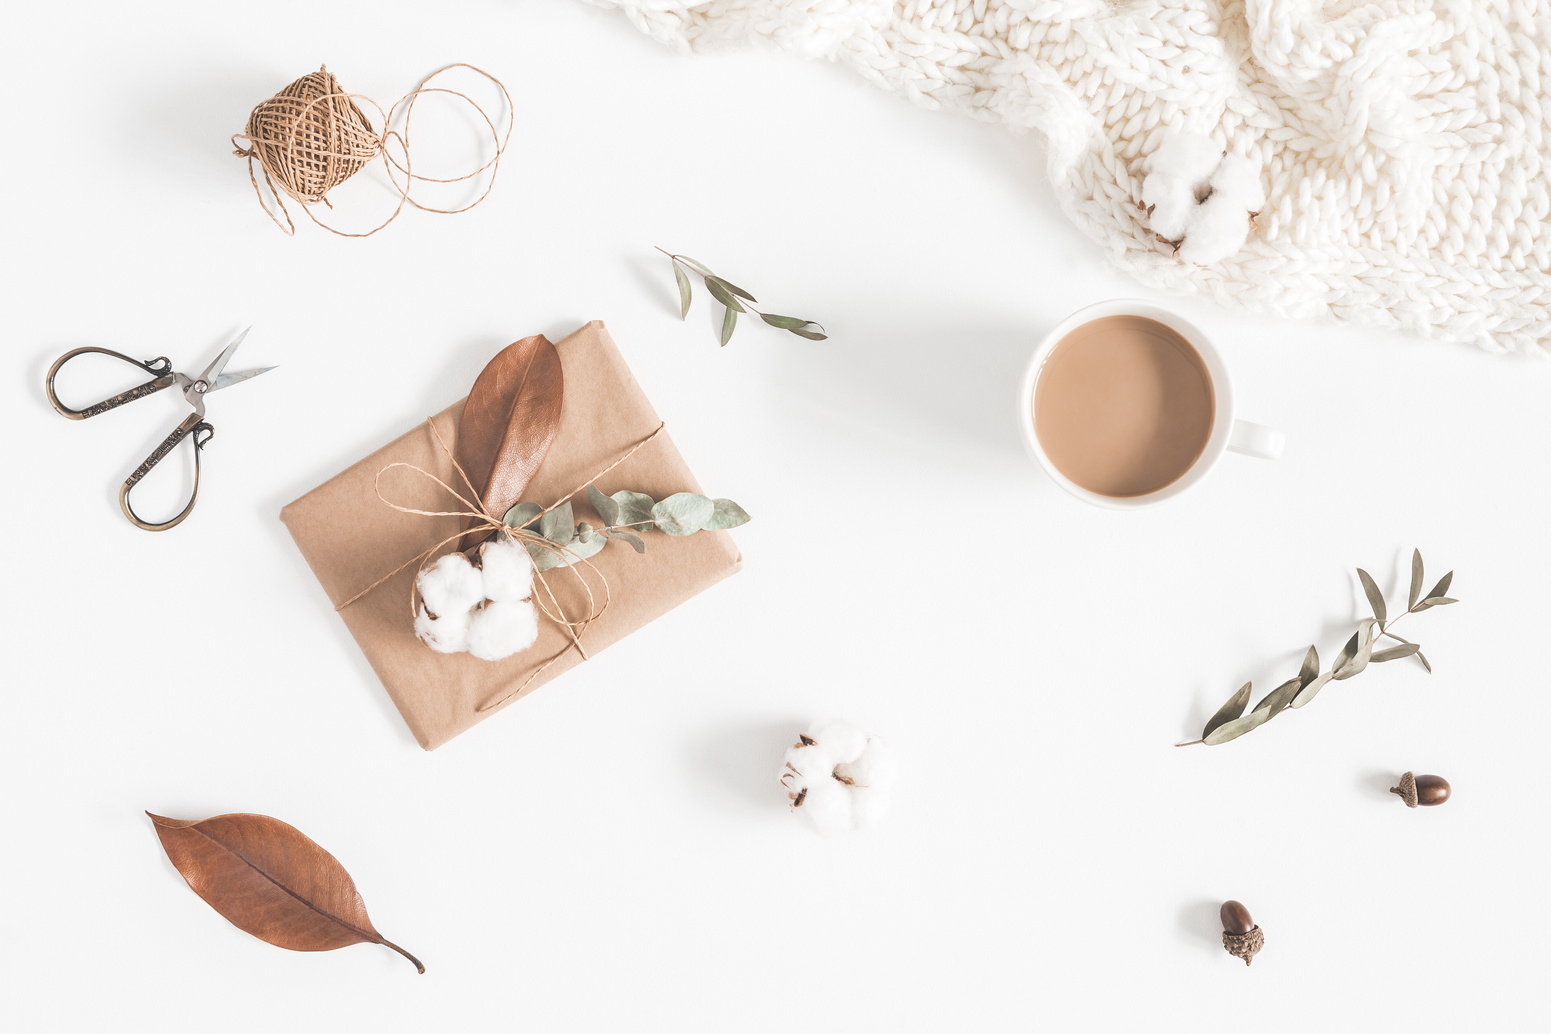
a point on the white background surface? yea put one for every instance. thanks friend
(613, 853)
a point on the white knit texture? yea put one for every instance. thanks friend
(1403, 143)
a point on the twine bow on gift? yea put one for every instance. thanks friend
(515, 404)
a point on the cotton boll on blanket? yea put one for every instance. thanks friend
(1220, 224)
(1177, 176)
(838, 778)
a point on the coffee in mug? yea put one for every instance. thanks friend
(1125, 403)
(1124, 406)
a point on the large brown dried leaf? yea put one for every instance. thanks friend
(270, 880)
(510, 420)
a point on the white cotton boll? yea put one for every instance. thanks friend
(868, 806)
(1238, 180)
(450, 586)
(809, 763)
(874, 768)
(1190, 157)
(1171, 202)
(827, 808)
(447, 634)
(508, 570)
(1178, 172)
(837, 777)
(1217, 230)
(499, 629)
(841, 740)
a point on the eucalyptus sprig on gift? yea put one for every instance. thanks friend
(1230, 722)
(624, 513)
(735, 300)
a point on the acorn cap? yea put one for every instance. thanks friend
(1406, 791)
(1244, 945)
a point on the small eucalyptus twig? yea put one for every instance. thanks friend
(735, 300)
(1230, 722)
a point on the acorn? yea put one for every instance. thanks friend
(1240, 936)
(1426, 790)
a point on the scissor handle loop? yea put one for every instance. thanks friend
(201, 432)
(161, 367)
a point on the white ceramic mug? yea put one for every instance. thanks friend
(1227, 432)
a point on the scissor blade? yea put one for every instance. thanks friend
(226, 380)
(219, 363)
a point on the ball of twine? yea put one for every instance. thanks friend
(312, 136)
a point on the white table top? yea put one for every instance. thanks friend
(613, 854)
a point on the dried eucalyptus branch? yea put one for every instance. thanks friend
(624, 513)
(735, 299)
(1230, 722)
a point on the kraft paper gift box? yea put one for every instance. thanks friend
(351, 538)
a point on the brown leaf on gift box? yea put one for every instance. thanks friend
(510, 419)
(270, 880)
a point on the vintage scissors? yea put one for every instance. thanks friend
(193, 426)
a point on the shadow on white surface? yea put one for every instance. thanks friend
(178, 125)
(948, 378)
(1200, 923)
(740, 766)
(1375, 783)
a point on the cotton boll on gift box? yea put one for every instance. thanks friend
(367, 555)
(486, 611)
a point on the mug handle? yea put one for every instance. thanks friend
(1256, 440)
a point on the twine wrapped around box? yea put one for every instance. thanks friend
(312, 136)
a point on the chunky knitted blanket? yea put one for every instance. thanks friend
(1403, 144)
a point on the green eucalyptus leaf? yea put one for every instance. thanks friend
(725, 514)
(1359, 660)
(683, 513)
(1394, 653)
(521, 514)
(1347, 652)
(1308, 692)
(1277, 700)
(729, 321)
(585, 532)
(556, 524)
(1236, 728)
(607, 508)
(1371, 590)
(784, 322)
(1416, 576)
(635, 508)
(811, 335)
(722, 295)
(730, 288)
(683, 282)
(1228, 711)
(1436, 601)
(1310, 670)
(697, 266)
(632, 538)
(547, 557)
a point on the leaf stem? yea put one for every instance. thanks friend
(389, 944)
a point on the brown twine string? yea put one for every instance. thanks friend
(486, 521)
(312, 136)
